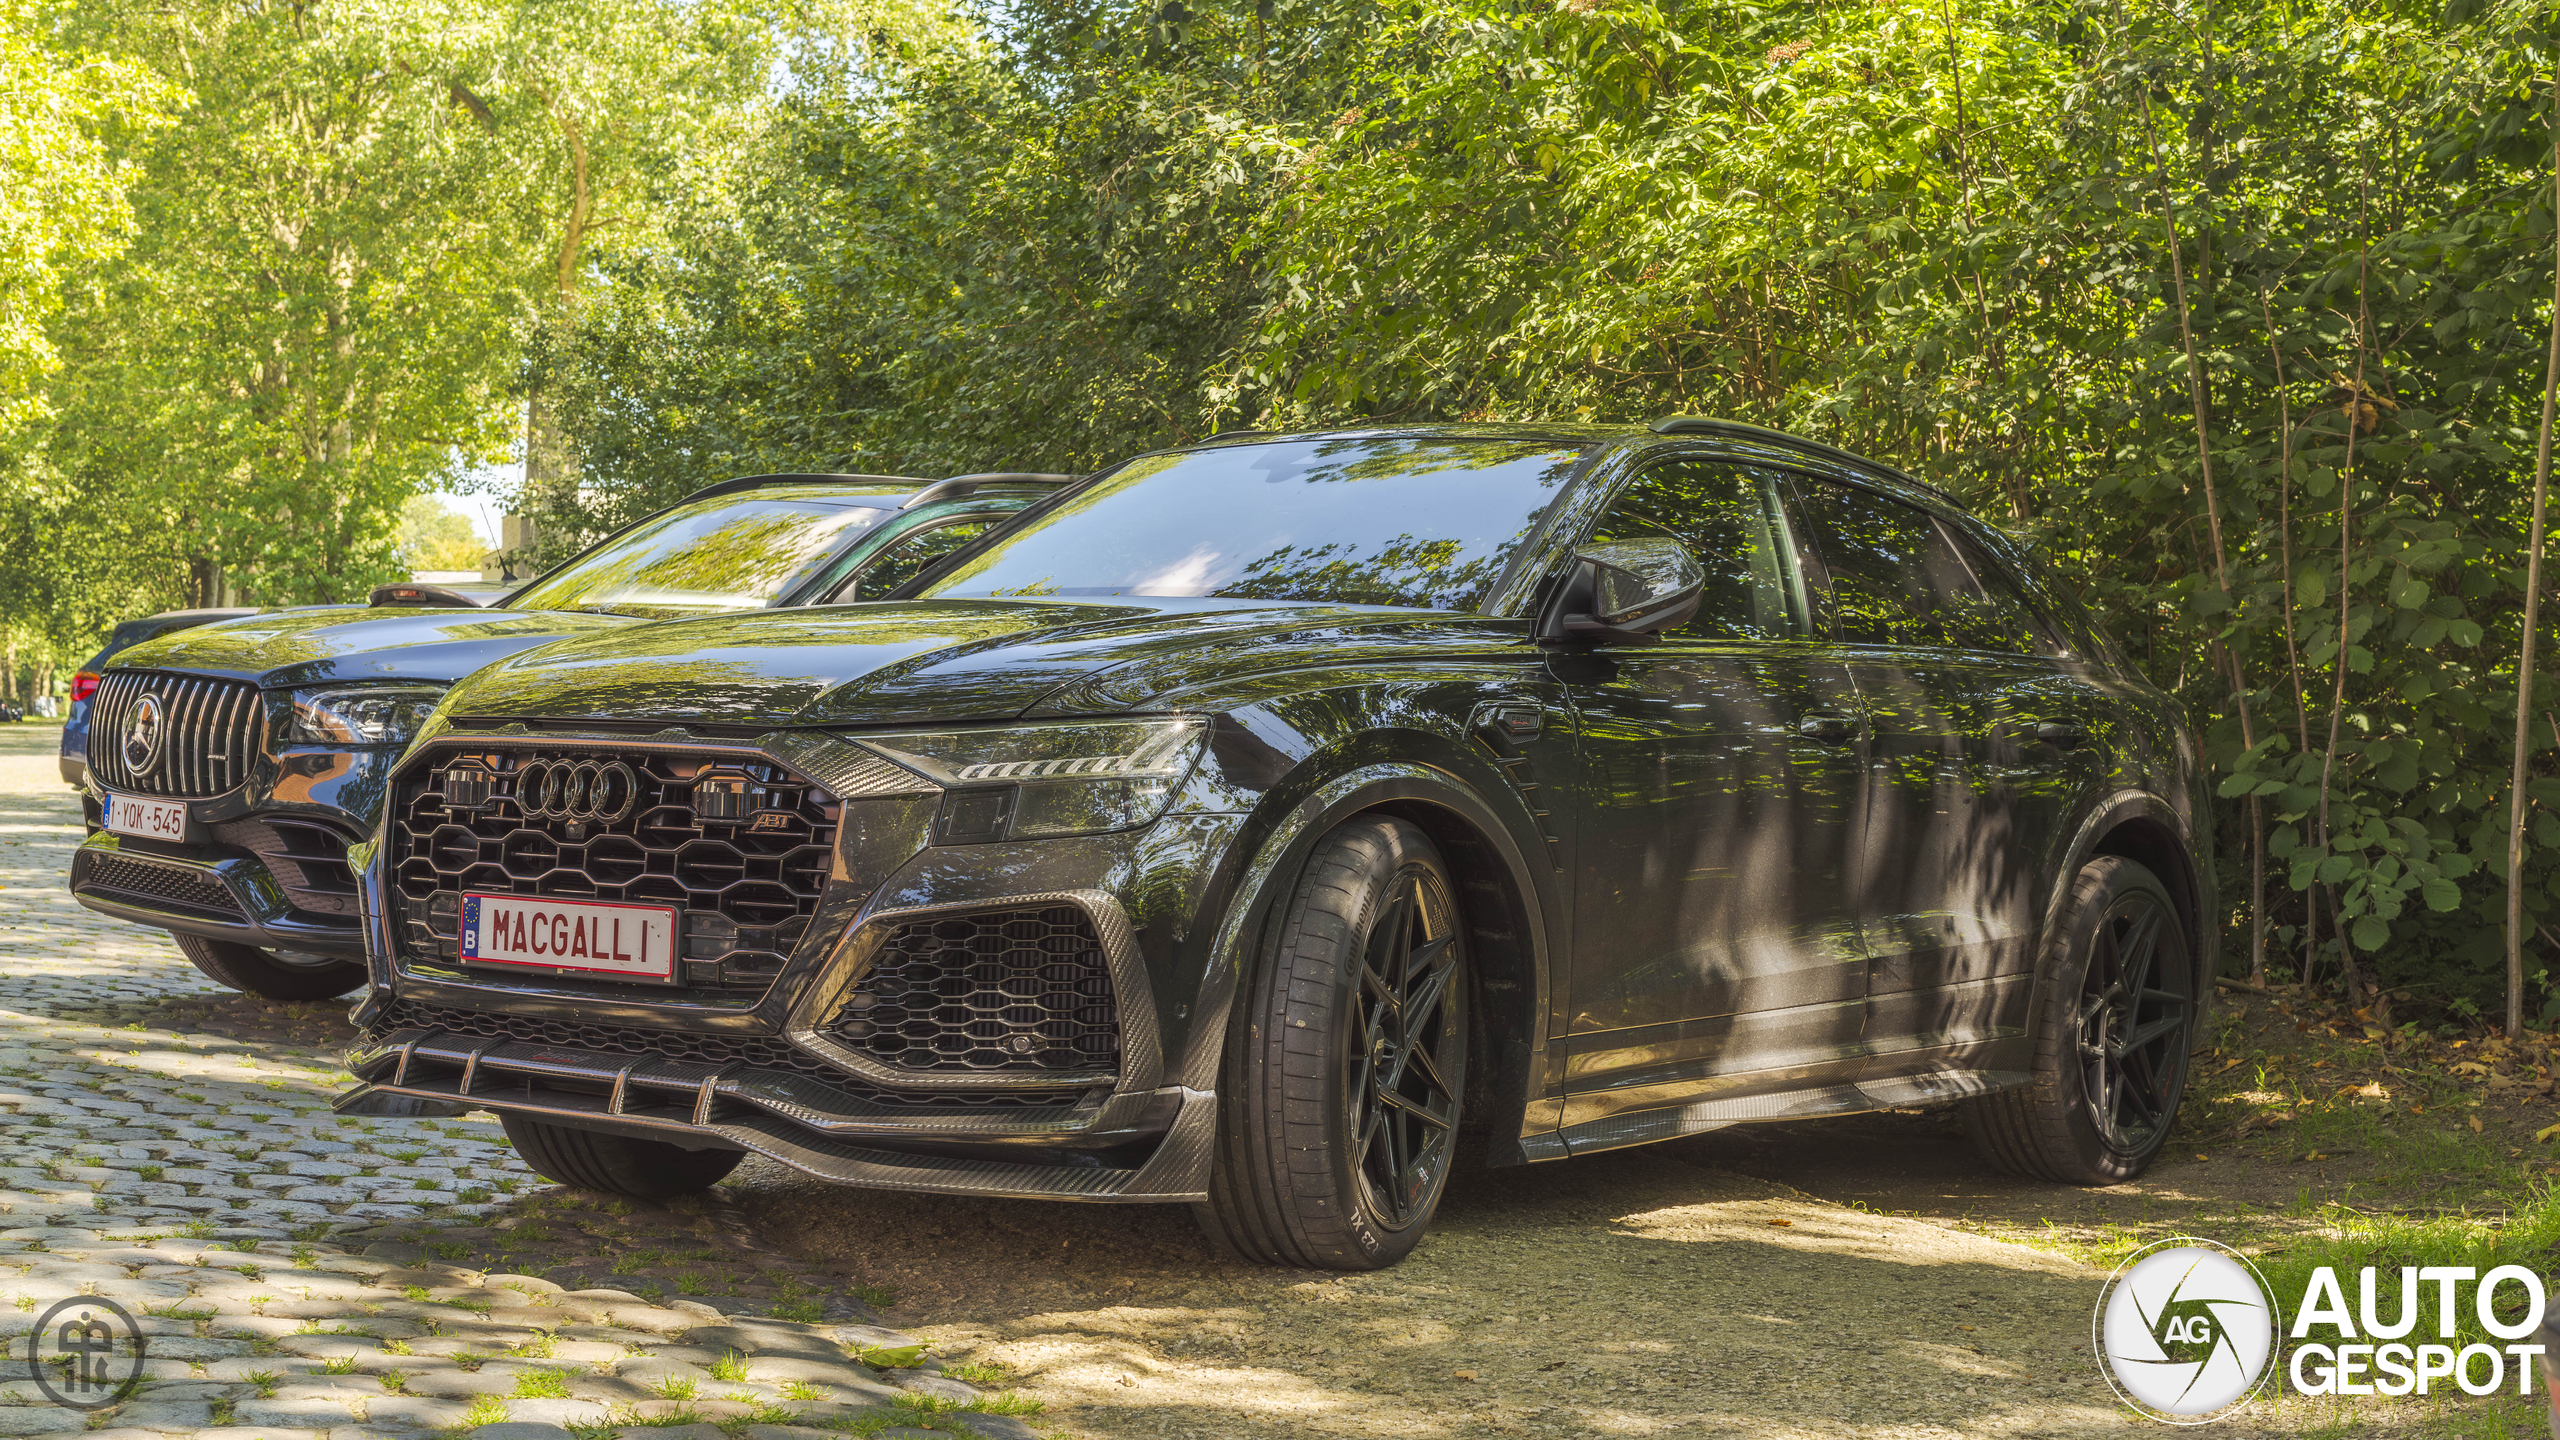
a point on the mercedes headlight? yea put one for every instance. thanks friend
(366, 715)
(1029, 781)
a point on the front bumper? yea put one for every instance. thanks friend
(883, 1054)
(208, 891)
(1159, 1138)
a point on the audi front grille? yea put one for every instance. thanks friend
(742, 847)
(198, 736)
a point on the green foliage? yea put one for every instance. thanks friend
(432, 537)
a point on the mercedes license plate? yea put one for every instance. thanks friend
(147, 818)
(578, 937)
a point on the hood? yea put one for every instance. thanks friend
(905, 662)
(333, 643)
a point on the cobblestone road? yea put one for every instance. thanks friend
(293, 1271)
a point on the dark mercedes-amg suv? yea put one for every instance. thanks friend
(229, 766)
(1245, 824)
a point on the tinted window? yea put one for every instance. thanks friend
(1721, 512)
(1898, 578)
(908, 557)
(1426, 523)
(724, 554)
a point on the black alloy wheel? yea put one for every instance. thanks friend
(1346, 1060)
(2118, 1006)
(2133, 1050)
(1404, 1108)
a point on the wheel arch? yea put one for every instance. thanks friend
(1497, 889)
(2146, 829)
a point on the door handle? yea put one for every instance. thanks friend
(2062, 734)
(1829, 728)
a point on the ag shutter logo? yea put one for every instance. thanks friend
(2186, 1331)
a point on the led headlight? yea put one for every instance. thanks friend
(365, 715)
(1075, 778)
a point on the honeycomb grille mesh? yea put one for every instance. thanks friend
(745, 885)
(149, 880)
(1023, 989)
(760, 1052)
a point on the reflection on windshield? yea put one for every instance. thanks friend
(1399, 521)
(726, 554)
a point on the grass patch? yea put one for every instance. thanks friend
(542, 1385)
(730, 1368)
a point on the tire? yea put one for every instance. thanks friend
(2104, 1097)
(616, 1164)
(267, 973)
(1313, 1169)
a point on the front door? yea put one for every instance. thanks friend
(1717, 952)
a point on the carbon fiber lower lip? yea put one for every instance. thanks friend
(786, 1117)
(655, 1087)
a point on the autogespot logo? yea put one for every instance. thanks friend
(2186, 1331)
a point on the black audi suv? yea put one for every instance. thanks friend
(1261, 824)
(229, 765)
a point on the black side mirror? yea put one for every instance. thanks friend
(1623, 592)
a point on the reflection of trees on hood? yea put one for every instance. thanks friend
(1405, 571)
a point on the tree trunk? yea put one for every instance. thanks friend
(2516, 801)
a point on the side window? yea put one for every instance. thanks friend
(1897, 577)
(905, 559)
(1722, 513)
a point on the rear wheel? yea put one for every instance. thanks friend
(616, 1164)
(274, 974)
(1340, 1091)
(2112, 1029)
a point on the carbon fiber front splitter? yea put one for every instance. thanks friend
(791, 1118)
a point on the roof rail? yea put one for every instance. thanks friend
(752, 482)
(991, 480)
(1709, 425)
(1233, 434)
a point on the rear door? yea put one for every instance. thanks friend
(1980, 741)
(1717, 951)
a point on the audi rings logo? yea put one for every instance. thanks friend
(143, 730)
(601, 792)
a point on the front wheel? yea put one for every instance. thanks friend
(1340, 1090)
(271, 974)
(2115, 1020)
(615, 1164)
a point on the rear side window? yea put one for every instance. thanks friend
(1722, 513)
(1898, 577)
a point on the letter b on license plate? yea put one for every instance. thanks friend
(582, 937)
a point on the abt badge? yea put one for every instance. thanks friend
(2186, 1331)
(85, 1352)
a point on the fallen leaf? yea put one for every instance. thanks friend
(2203, 1157)
(2475, 1124)
(1782, 1222)
(1463, 1374)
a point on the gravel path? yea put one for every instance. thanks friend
(201, 1183)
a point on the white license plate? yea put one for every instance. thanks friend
(149, 819)
(583, 937)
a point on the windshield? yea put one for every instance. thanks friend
(1401, 521)
(724, 554)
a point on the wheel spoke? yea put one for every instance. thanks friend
(2142, 1039)
(1428, 1067)
(1419, 1112)
(2141, 943)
